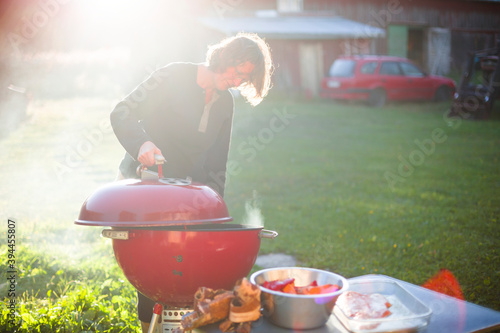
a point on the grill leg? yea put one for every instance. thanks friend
(154, 319)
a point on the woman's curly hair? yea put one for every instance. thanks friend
(237, 50)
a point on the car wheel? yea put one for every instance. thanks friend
(377, 98)
(442, 94)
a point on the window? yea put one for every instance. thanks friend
(342, 68)
(411, 70)
(368, 68)
(390, 68)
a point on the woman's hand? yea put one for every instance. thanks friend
(147, 153)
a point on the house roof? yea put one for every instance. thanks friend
(294, 27)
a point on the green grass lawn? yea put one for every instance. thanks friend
(333, 184)
(401, 191)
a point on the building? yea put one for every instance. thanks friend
(307, 35)
(303, 46)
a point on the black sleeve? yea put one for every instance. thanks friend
(217, 155)
(145, 100)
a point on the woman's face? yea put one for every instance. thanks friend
(233, 77)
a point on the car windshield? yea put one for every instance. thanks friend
(342, 68)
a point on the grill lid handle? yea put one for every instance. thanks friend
(264, 233)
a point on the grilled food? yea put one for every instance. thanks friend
(238, 308)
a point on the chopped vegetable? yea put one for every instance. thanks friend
(290, 289)
(327, 288)
(277, 285)
(288, 286)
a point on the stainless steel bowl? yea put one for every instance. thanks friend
(298, 311)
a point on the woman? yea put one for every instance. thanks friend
(183, 113)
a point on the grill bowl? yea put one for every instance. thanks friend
(168, 264)
(298, 312)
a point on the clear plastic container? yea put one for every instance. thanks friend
(407, 312)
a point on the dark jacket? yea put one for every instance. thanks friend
(166, 109)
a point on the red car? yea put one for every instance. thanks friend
(378, 79)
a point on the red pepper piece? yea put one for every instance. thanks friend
(289, 289)
(265, 285)
(324, 289)
(277, 285)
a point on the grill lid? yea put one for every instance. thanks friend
(153, 202)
